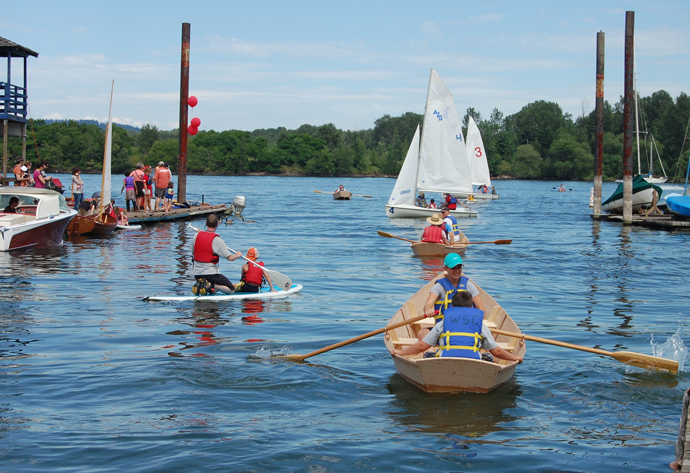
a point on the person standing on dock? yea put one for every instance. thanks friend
(138, 176)
(161, 180)
(207, 248)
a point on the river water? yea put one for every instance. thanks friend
(95, 379)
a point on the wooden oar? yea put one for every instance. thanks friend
(495, 242)
(627, 357)
(277, 278)
(358, 195)
(352, 340)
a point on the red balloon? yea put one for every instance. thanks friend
(196, 123)
(192, 101)
(192, 130)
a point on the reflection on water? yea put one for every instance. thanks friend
(465, 415)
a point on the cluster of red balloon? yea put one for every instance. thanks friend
(193, 128)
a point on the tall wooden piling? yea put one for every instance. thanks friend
(628, 111)
(598, 162)
(184, 96)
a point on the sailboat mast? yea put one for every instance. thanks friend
(105, 181)
(421, 139)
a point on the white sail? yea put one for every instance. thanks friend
(476, 155)
(107, 155)
(443, 165)
(404, 190)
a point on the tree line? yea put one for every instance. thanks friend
(538, 142)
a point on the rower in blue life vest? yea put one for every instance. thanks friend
(207, 248)
(461, 334)
(253, 276)
(451, 225)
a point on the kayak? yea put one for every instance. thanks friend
(220, 297)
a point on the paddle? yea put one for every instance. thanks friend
(358, 195)
(352, 340)
(277, 278)
(627, 357)
(495, 242)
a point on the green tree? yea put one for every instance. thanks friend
(527, 163)
(568, 159)
(538, 123)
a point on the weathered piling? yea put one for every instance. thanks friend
(598, 162)
(628, 115)
(184, 96)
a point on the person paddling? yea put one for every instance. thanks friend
(207, 248)
(434, 233)
(253, 276)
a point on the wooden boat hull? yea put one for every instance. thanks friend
(424, 249)
(443, 375)
(342, 195)
(412, 211)
(90, 225)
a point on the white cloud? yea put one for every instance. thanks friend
(486, 18)
(430, 28)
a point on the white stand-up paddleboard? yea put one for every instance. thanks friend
(220, 297)
(128, 227)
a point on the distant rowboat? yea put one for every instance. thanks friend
(441, 375)
(342, 195)
(428, 249)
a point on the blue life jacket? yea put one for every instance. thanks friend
(462, 333)
(443, 303)
(456, 230)
(453, 200)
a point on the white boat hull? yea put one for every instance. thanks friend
(655, 180)
(481, 196)
(412, 211)
(639, 199)
(219, 297)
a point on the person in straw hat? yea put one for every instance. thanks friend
(434, 233)
(252, 275)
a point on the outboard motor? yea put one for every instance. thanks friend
(237, 207)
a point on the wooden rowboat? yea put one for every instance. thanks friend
(425, 249)
(92, 225)
(442, 375)
(342, 195)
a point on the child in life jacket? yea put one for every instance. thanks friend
(253, 276)
(169, 194)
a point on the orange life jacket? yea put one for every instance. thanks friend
(433, 234)
(203, 248)
(253, 274)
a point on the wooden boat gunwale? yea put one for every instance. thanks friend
(424, 249)
(452, 374)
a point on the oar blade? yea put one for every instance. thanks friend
(384, 234)
(279, 279)
(646, 361)
(503, 242)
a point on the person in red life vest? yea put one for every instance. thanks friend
(252, 275)
(207, 248)
(462, 334)
(434, 233)
(432, 204)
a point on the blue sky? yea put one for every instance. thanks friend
(264, 64)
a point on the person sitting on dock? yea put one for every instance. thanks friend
(253, 276)
(207, 248)
(445, 288)
(12, 206)
(462, 334)
(434, 233)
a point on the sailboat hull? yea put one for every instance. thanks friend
(412, 211)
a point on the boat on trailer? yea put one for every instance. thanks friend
(450, 374)
(41, 221)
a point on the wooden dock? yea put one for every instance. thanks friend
(665, 221)
(175, 214)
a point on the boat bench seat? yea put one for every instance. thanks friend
(429, 322)
(411, 341)
(14, 219)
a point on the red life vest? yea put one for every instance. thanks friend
(253, 274)
(203, 248)
(433, 234)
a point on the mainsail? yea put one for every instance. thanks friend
(107, 155)
(443, 165)
(476, 154)
(404, 190)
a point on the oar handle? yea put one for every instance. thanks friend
(551, 342)
(356, 339)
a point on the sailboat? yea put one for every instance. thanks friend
(679, 205)
(479, 166)
(650, 177)
(436, 161)
(104, 222)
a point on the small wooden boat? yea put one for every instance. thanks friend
(425, 249)
(442, 375)
(94, 225)
(342, 195)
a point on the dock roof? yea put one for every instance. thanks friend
(17, 50)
